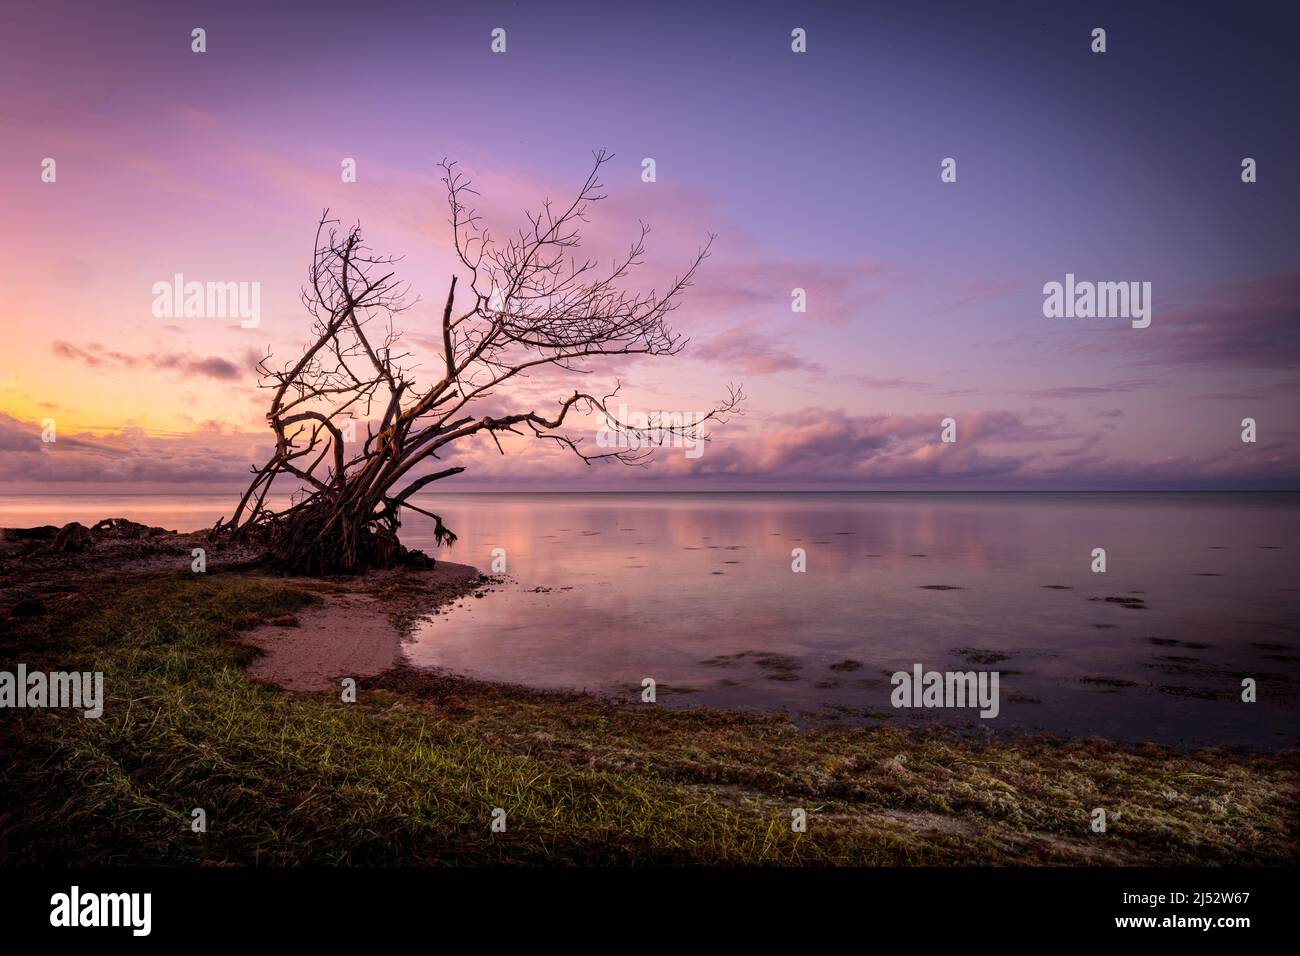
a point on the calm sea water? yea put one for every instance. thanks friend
(697, 592)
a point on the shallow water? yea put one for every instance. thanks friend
(697, 592)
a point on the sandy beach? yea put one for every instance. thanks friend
(355, 632)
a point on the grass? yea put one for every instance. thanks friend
(412, 771)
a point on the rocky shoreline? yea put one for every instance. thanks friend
(42, 566)
(39, 566)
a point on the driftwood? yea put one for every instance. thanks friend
(528, 304)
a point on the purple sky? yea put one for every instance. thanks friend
(816, 170)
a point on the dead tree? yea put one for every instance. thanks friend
(529, 303)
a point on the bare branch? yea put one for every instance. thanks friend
(535, 303)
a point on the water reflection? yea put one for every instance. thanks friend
(697, 593)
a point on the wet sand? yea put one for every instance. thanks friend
(356, 632)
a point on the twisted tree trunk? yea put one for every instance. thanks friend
(534, 306)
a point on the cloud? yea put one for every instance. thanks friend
(995, 449)
(836, 292)
(1248, 324)
(809, 448)
(868, 381)
(66, 350)
(750, 351)
(1092, 391)
(210, 367)
(124, 456)
(15, 437)
(96, 356)
(817, 446)
(1252, 393)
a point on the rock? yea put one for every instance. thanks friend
(73, 538)
(417, 560)
(28, 607)
(45, 532)
(127, 529)
(283, 620)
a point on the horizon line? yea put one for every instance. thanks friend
(780, 491)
